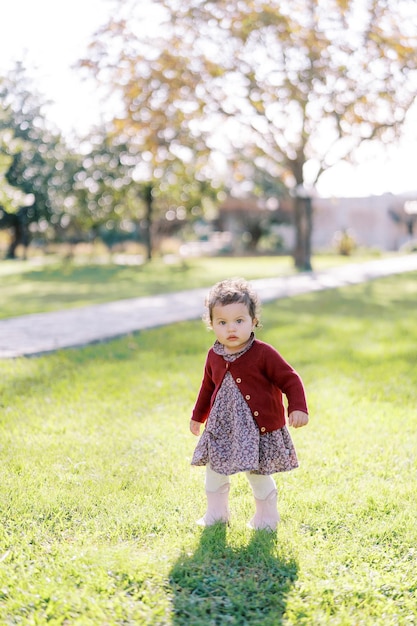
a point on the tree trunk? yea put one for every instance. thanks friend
(14, 241)
(15, 223)
(148, 221)
(303, 231)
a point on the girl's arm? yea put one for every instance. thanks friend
(203, 402)
(289, 381)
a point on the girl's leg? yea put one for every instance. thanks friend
(217, 492)
(265, 493)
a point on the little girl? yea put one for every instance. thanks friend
(241, 399)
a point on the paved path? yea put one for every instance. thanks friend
(45, 332)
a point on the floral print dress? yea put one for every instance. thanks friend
(231, 441)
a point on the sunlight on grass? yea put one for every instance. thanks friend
(98, 500)
(28, 287)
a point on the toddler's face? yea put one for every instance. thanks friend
(232, 325)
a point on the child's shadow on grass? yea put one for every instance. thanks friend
(223, 584)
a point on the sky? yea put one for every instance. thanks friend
(50, 36)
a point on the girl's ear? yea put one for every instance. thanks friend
(254, 322)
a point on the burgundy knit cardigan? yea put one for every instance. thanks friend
(263, 377)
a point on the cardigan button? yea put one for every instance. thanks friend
(247, 397)
(256, 413)
(238, 380)
(263, 429)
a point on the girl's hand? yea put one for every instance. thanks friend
(298, 419)
(195, 427)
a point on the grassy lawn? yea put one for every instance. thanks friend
(98, 500)
(53, 284)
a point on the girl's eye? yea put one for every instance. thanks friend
(239, 321)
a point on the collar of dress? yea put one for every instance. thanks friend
(219, 348)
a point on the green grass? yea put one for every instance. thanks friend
(98, 500)
(53, 284)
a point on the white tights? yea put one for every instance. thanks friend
(262, 485)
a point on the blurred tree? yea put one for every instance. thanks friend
(161, 96)
(111, 199)
(9, 196)
(32, 162)
(100, 198)
(270, 191)
(294, 85)
(406, 215)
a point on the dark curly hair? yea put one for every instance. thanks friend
(230, 291)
